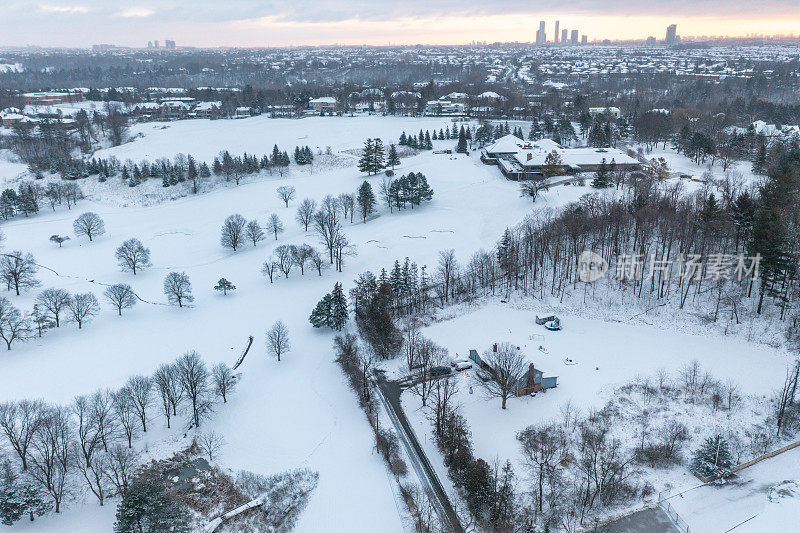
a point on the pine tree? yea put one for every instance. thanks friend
(366, 200)
(403, 140)
(713, 458)
(338, 309)
(461, 147)
(601, 176)
(224, 285)
(320, 316)
(428, 142)
(378, 161)
(365, 164)
(392, 160)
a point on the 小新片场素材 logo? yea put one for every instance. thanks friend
(591, 266)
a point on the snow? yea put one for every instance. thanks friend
(767, 495)
(299, 412)
(296, 413)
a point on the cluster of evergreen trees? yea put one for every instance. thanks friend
(411, 189)
(374, 157)
(331, 311)
(30, 195)
(424, 140)
(303, 156)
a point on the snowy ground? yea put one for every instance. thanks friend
(605, 355)
(297, 413)
(764, 497)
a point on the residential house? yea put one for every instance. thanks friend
(323, 105)
(532, 381)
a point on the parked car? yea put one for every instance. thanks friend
(439, 371)
(462, 365)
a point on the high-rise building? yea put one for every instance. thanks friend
(155, 43)
(672, 31)
(583, 39)
(555, 35)
(564, 33)
(573, 37)
(149, 44)
(169, 45)
(541, 36)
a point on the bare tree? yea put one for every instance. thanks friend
(19, 271)
(119, 467)
(278, 339)
(327, 224)
(178, 288)
(132, 256)
(305, 212)
(13, 324)
(268, 268)
(274, 225)
(429, 355)
(141, 388)
(300, 255)
(193, 376)
(507, 367)
(83, 307)
(447, 269)
(347, 203)
(121, 296)
(286, 193)
(233, 232)
(543, 446)
(169, 389)
(224, 380)
(317, 260)
(211, 443)
(103, 416)
(54, 301)
(51, 454)
(59, 239)
(20, 421)
(88, 436)
(285, 258)
(126, 413)
(89, 224)
(254, 232)
(92, 473)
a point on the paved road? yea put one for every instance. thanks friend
(650, 520)
(390, 395)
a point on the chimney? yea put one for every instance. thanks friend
(494, 347)
(530, 156)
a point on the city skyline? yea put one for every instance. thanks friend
(252, 23)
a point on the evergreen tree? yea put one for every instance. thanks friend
(147, 507)
(338, 309)
(378, 161)
(461, 147)
(428, 142)
(365, 164)
(403, 140)
(321, 315)
(392, 159)
(224, 285)
(366, 200)
(601, 176)
(713, 458)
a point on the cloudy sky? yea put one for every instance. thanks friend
(297, 22)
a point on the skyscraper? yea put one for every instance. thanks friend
(555, 36)
(541, 36)
(583, 39)
(564, 36)
(573, 37)
(672, 31)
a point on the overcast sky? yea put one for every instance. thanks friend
(297, 22)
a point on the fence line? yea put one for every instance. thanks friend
(673, 515)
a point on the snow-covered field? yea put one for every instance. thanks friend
(296, 413)
(299, 412)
